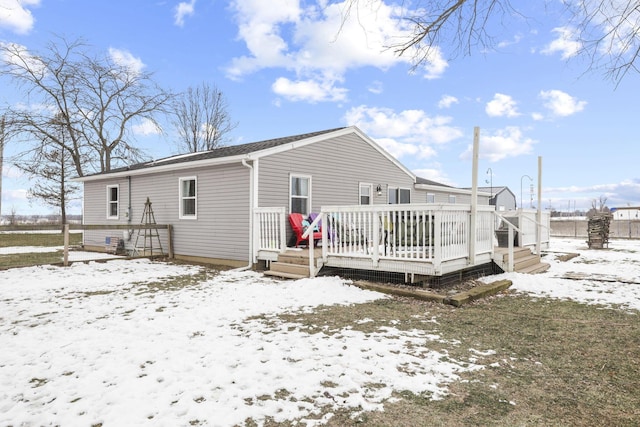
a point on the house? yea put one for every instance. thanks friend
(501, 197)
(209, 197)
(626, 213)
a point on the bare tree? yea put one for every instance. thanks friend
(2, 139)
(202, 119)
(97, 100)
(50, 166)
(606, 31)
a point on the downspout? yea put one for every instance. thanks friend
(130, 231)
(250, 265)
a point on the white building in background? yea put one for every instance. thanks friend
(626, 212)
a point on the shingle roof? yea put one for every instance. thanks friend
(227, 151)
(429, 182)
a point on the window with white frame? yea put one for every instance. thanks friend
(113, 201)
(431, 198)
(188, 197)
(452, 198)
(392, 195)
(399, 195)
(300, 194)
(366, 194)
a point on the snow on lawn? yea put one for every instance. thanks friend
(97, 343)
(610, 277)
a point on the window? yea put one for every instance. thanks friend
(452, 198)
(188, 198)
(393, 196)
(299, 192)
(365, 194)
(431, 198)
(113, 201)
(399, 195)
(404, 195)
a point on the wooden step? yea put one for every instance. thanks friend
(284, 275)
(524, 262)
(284, 267)
(517, 253)
(540, 267)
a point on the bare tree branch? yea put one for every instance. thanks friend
(607, 30)
(202, 119)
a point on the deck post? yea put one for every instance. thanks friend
(437, 241)
(510, 240)
(312, 270)
(539, 225)
(474, 197)
(375, 245)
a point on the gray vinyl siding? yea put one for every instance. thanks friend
(337, 166)
(221, 228)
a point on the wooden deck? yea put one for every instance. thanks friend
(424, 240)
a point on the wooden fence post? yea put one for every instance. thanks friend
(170, 240)
(65, 261)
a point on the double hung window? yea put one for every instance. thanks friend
(113, 201)
(300, 194)
(188, 197)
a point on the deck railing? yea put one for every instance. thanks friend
(527, 221)
(426, 232)
(429, 233)
(271, 229)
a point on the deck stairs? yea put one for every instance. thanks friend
(294, 264)
(524, 261)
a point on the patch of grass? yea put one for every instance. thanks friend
(553, 362)
(38, 239)
(30, 259)
(175, 283)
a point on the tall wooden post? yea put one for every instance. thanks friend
(474, 197)
(65, 261)
(539, 236)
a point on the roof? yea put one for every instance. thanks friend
(237, 153)
(220, 152)
(425, 181)
(495, 190)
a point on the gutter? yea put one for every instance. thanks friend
(250, 265)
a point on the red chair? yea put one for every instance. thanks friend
(296, 220)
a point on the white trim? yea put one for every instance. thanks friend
(181, 198)
(370, 187)
(297, 175)
(109, 201)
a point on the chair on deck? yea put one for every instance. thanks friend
(297, 221)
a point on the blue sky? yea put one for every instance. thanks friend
(287, 67)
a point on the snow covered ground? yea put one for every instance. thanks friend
(610, 277)
(99, 343)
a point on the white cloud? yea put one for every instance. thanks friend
(566, 43)
(561, 103)
(507, 142)
(313, 42)
(308, 90)
(15, 16)
(502, 106)
(146, 127)
(376, 87)
(126, 59)
(447, 101)
(409, 132)
(183, 9)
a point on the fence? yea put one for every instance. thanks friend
(618, 228)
